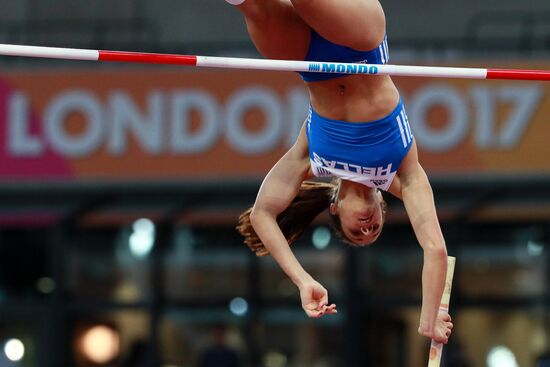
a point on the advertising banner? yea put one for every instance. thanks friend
(182, 124)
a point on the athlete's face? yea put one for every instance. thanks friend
(361, 218)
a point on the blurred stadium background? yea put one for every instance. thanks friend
(120, 186)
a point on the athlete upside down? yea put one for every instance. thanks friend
(357, 121)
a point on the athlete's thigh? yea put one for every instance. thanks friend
(359, 24)
(277, 31)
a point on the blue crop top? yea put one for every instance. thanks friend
(321, 49)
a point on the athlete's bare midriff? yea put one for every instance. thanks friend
(354, 98)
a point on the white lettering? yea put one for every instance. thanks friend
(317, 159)
(126, 117)
(526, 100)
(368, 171)
(485, 107)
(74, 101)
(183, 141)
(356, 168)
(457, 126)
(327, 163)
(20, 140)
(186, 122)
(344, 166)
(259, 142)
(381, 171)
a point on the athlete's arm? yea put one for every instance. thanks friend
(278, 189)
(419, 203)
(395, 187)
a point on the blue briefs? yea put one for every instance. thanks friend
(368, 153)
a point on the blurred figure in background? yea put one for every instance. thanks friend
(543, 360)
(219, 354)
(138, 355)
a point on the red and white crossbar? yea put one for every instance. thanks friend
(278, 65)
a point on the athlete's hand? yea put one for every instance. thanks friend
(315, 299)
(441, 330)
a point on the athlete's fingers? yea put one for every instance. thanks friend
(330, 310)
(312, 313)
(324, 299)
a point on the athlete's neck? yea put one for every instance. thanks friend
(356, 189)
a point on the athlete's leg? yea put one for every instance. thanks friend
(359, 24)
(276, 29)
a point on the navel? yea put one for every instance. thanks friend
(342, 89)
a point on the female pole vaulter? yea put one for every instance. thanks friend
(357, 131)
